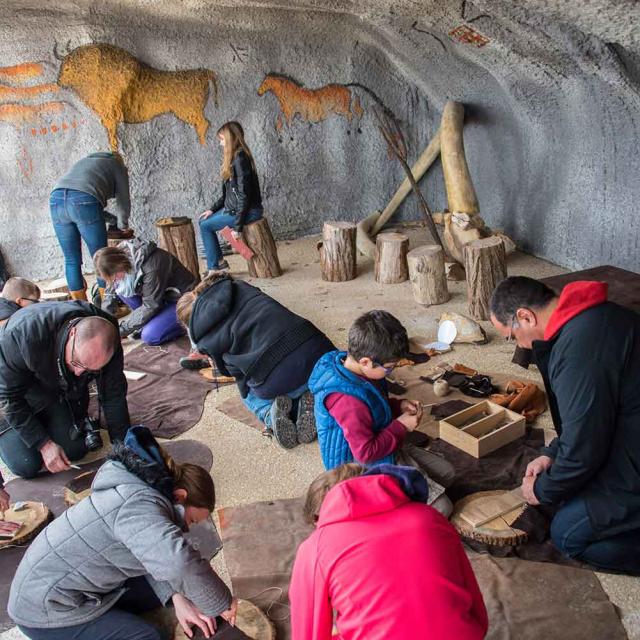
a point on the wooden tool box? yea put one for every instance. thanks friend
(482, 428)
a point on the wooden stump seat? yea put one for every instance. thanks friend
(265, 263)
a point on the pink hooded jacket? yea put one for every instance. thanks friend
(391, 569)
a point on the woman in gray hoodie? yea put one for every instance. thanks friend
(122, 551)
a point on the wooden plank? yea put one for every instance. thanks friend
(462, 416)
(504, 435)
(484, 511)
(484, 425)
(459, 439)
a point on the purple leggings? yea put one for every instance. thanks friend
(163, 327)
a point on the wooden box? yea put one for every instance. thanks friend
(483, 428)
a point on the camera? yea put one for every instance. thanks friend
(90, 430)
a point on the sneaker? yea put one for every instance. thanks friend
(194, 361)
(283, 427)
(305, 420)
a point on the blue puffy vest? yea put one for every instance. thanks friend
(330, 376)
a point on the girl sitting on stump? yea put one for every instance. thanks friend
(269, 350)
(240, 202)
(121, 551)
(149, 280)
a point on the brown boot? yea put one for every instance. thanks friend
(81, 294)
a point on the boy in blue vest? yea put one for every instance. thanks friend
(355, 418)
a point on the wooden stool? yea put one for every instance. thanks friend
(265, 263)
(427, 275)
(391, 258)
(121, 236)
(176, 235)
(57, 290)
(338, 251)
(485, 263)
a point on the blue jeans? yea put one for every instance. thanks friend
(163, 327)
(77, 215)
(216, 222)
(261, 407)
(573, 533)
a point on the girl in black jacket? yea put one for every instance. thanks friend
(269, 350)
(240, 202)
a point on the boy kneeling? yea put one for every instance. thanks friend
(356, 419)
(17, 293)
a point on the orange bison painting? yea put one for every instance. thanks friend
(121, 89)
(312, 105)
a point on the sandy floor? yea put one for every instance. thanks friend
(249, 467)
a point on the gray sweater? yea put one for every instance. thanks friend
(74, 571)
(103, 176)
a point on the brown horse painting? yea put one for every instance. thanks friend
(312, 105)
(120, 88)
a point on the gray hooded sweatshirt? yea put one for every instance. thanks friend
(74, 571)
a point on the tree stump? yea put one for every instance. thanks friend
(485, 265)
(265, 263)
(176, 235)
(427, 275)
(338, 251)
(391, 258)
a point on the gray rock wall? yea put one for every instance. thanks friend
(551, 133)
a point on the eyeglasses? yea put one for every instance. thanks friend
(74, 362)
(387, 370)
(512, 326)
(34, 300)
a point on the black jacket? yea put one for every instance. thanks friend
(245, 331)
(160, 278)
(33, 374)
(241, 192)
(591, 371)
(7, 308)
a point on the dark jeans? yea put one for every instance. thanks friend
(216, 222)
(77, 215)
(26, 461)
(118, 623)
(573, 533)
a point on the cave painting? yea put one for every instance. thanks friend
(312, 105)
(121, 89)
(468, 35)
(17, 113)
(26, 92)
(21, 71)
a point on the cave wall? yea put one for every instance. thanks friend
(550, 135)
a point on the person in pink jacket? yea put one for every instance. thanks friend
(385, 564)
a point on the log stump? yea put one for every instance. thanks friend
(338, 251)
(427, 275)
(176, 235)
(265, 263)
(391, 258)
(485, 266)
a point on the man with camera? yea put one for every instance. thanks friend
(49, 353)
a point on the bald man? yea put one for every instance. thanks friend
(49, 353)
